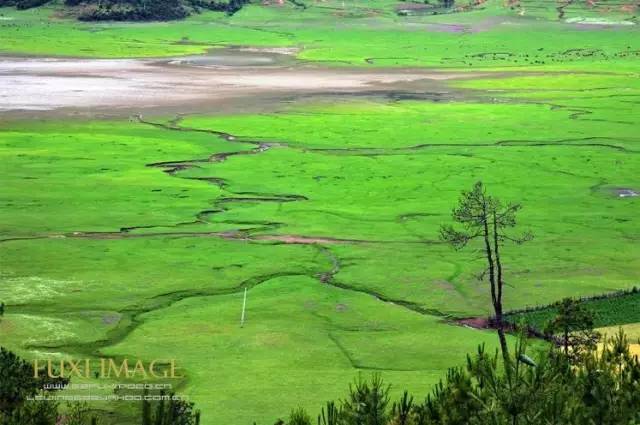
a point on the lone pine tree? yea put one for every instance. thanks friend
(485, 218)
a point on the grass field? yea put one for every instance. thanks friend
(138, 238)
(363, 33)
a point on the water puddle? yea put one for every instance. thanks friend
(626, 193)
(238, 57)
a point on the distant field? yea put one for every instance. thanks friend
(609, 312)
(632, 332)
(138, 237)
(363, 33)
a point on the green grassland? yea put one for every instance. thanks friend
(104, 254)
(138, 238)
(363, 33)
(302, 339)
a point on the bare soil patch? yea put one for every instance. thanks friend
(475, 322)
(304, 240)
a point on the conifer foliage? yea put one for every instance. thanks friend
(600, 386)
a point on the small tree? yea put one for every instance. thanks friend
(299, 416)
(77, 414)
(172, 411)
(146, 408)
(574, 324)
(18, 383)
(329, 415)
(485, 218)
(367, 402)
(402, 410)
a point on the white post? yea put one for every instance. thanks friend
(244, 306)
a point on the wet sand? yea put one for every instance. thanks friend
(224, 82)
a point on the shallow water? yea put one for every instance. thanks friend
(230, 57)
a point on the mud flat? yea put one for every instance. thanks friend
(227, 81)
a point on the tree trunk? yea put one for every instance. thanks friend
(504, 347)
(489, 255)
(497, 305)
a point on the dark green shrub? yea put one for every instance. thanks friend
(367, 402)
(299, 416)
